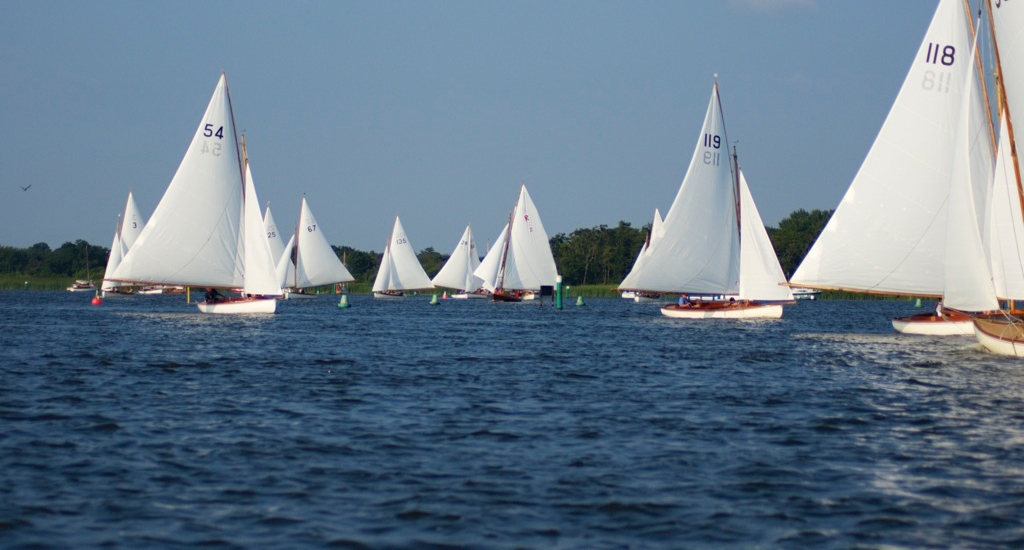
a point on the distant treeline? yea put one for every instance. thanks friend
(599, 255)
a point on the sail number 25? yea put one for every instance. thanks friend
(713, 142)
(938, 54)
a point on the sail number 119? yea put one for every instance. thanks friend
(714, 142)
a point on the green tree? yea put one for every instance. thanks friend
(795, 235)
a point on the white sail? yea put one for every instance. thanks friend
(888, 234)
(193, 236)
(1005, 238)
(400, 269)
(968, 280)
(656, 231)
(529, 263)
(313, 261)
(273, 235)
(260, 276)
(761, 276)
(458, 270)
(1008, 27)
(699, 251)
(116, 254)
(284, 264)
(488, 269)
(132, 223)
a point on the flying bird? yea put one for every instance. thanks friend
(25, 188)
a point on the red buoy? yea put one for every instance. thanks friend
(96, 300)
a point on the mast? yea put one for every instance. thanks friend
(504, 250)
(981, 71)
(736, 192)
(295, 246)
(234, 134)
(1001, 90)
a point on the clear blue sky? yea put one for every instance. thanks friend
(437, 110)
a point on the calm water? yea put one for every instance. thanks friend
(142, 423)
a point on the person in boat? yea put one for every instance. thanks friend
(212, 295)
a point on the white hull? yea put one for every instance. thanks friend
(934, 328)
(1000, 337)
(470, 296)
(298, 295)
(241, 305)
(629, 295)
(641, 299)
(386, 296)
(806, 294)
(747, 311)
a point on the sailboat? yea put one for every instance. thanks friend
(273, 235)
(125, 234)
(457, 272)
(400, 269)
(207, 230)
(308, 260)
(1003, 333)
(627, 282)
(713, 241)
(890, 233)
(520, 262)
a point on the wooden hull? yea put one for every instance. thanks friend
(389, 294)
(723, 310)
(239, 305)
(1001, 335)
(505, 297)
(948, 323)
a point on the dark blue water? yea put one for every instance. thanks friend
(142, 423)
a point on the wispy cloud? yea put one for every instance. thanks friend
(771, 5)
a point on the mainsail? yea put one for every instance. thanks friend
(458, 270)
(888, 235)
(194, 233)
(698, 252)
